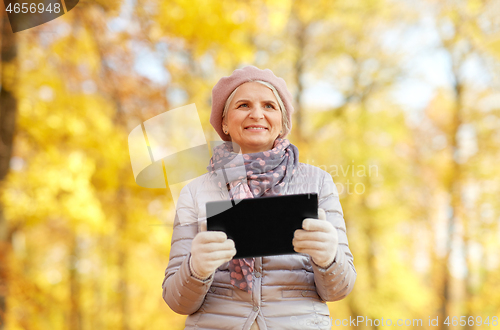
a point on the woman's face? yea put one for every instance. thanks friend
(253, 119)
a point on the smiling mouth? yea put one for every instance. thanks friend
(256, 128)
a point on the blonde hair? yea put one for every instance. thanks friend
(285, 124)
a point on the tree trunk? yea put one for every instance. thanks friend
(454, 186)
(371, 235)
(75, 316)
(119, 120)
(8, 109)
(298, 69)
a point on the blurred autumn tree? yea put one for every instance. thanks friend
(84, 247)
(456, 123)
(8, 113)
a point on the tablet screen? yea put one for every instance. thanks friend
(262, 226)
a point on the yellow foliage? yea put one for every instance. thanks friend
(89, 244)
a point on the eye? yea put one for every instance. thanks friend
(243, 104)
(270, 106)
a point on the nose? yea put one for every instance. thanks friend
(257, 112)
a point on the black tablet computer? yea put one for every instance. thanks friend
(262, 226)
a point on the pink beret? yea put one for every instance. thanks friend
(227, 85)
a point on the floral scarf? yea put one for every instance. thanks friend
(264, 173)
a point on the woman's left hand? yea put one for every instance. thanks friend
(318, 238)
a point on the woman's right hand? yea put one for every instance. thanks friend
(209, 250)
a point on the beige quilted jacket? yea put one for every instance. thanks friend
(289, 291)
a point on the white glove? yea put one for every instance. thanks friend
(209, 250)
(318, 238)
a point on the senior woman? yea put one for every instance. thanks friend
(251, 110)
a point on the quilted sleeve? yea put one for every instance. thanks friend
(336, 281)
(183, 292)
